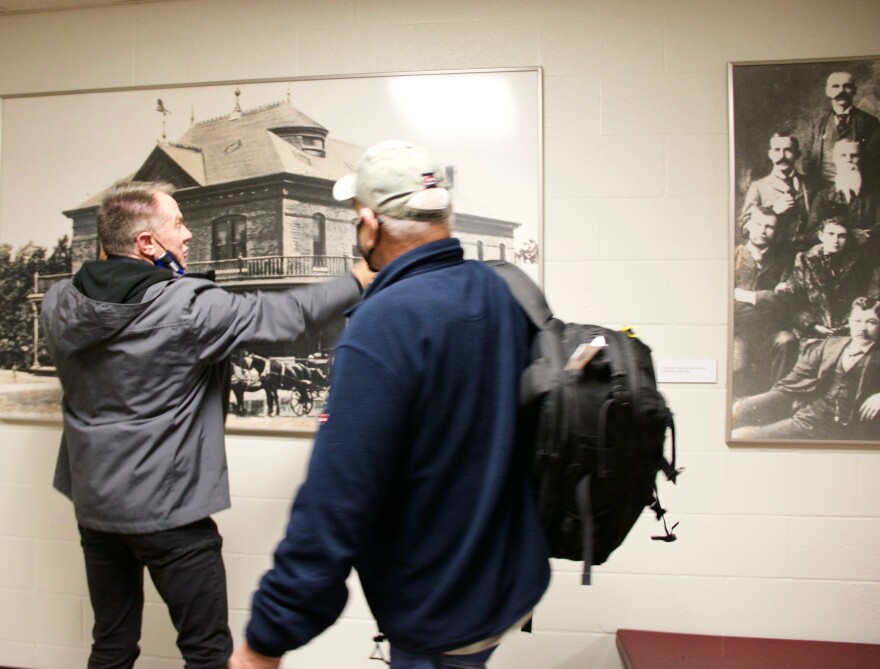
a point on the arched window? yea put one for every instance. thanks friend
(319, 240)
(480, 250)
(229, 237)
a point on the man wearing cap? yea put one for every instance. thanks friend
(417, 478)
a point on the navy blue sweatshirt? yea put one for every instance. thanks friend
(417, 478)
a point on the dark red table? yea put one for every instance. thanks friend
(641, 649)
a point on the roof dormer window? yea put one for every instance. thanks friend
(310, 140)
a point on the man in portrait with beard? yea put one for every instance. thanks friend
(842, 120)
(850, 198)
(785, 192)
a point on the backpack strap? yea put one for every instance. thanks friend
(668, 466)
(624, 371)
(525, 292)
(585, 508)
(542, 375)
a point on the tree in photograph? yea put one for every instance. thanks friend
(17, 272)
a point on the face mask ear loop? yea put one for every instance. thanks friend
(369, 254)
(167, 260)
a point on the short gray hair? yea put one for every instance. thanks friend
(404, 229)
(128, 209)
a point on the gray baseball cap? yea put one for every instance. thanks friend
(398, 179)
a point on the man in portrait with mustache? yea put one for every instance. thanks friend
(832, 393)
(842, 120)
(785, 192)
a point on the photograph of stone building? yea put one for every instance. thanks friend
(254, 185)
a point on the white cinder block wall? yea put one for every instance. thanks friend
(773, 542)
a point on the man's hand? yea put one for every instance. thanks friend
(783, 203)
(743, 295)
(362, 273)
(870, 408)
(246, 657)
(861, 236)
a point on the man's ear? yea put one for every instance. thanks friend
(368, 215)
(146, 247)
(371, 222)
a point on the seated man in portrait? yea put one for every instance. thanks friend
(849, 198)
(823, 283)
(763, 350)
(832, 393)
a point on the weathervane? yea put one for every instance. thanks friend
(236, 111)
(160, 107)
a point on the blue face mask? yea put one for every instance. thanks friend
(167, 260)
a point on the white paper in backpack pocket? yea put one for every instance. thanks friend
(584, 353)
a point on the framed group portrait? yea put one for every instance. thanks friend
(804, 355)
(253, 164)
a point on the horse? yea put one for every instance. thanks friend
(286, 374)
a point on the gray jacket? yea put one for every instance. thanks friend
(143, 448)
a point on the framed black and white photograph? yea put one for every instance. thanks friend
(253, 165)
(804, 362)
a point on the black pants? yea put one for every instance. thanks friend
(186, 566)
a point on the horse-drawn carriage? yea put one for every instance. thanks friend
(305, 378)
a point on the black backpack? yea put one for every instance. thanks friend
(600, 428)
